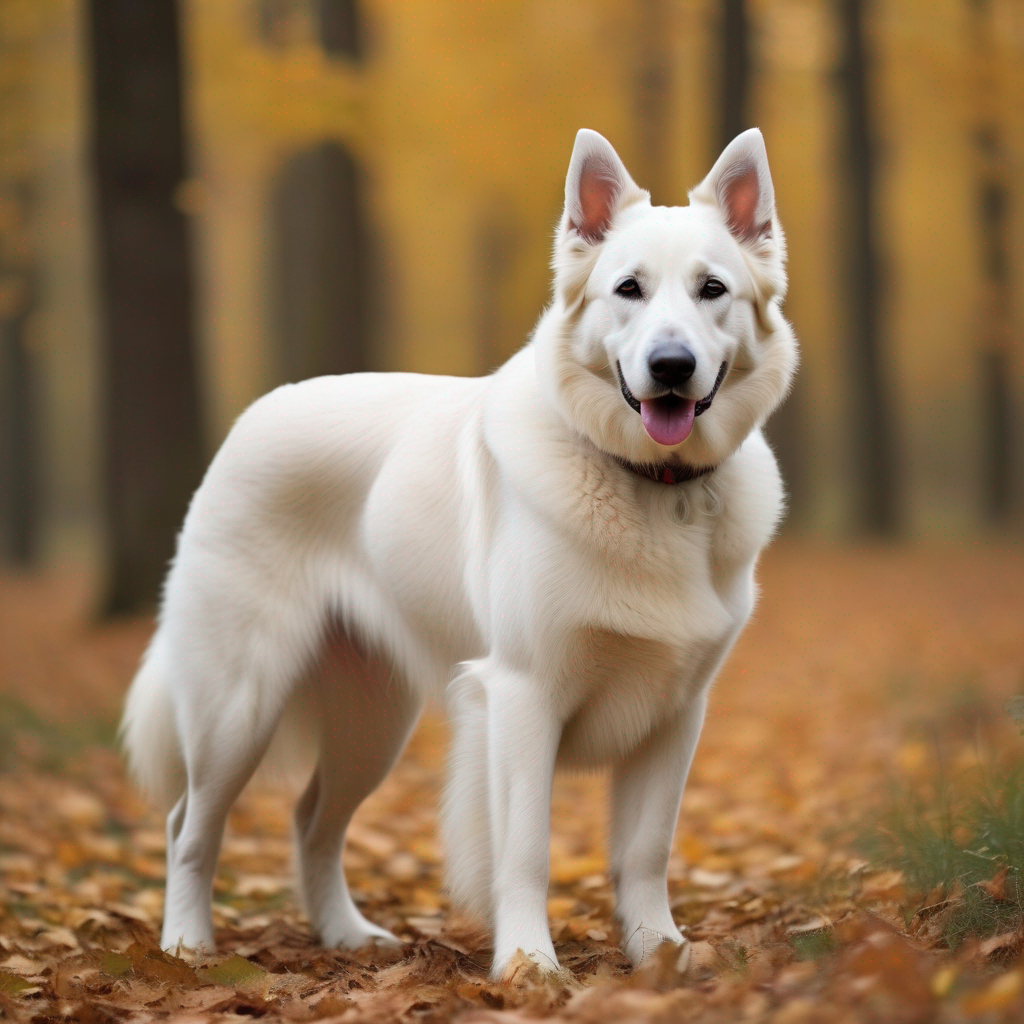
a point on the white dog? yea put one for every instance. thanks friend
(566, 548)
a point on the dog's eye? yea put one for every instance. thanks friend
(712, 288)
(629, 289)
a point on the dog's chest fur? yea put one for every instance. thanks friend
(666, 598)
(633, 591)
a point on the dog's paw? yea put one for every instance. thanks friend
(532, 968)
(672, 949)
(190, 954)
(187, 946)
(355, 934)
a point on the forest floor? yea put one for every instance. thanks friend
(851, 844)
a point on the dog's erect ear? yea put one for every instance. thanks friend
(740, 184)
(596, 186)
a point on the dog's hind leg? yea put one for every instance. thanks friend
(366, 715)
(222, 748)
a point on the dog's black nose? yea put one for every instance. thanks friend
(671, 363)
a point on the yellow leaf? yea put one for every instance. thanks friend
(942, 981)
(12, 984)
(236, 971)
(115, 964)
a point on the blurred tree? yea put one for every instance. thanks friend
(18, 476)
(334, 24)
(19, 28)
(785, 430)
(653, 100)
(320, 242)
(320, 247)
(993, 226)
(495, 248)
(735, 71)
(339, 28)
(153, 440)
(872, 433)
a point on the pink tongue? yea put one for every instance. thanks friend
(667, 424)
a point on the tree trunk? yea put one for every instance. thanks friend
(993, 207)
(785, 430)
(735, 71)
(874, 446)
(320, 245)
(153, 441)
(18, 504)
(652, 93)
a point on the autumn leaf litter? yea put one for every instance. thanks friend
(847, 690)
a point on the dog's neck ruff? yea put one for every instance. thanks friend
(665, 472)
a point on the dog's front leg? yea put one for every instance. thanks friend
(647, 789)
(523, 733)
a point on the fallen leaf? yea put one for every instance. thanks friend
(14, 984)
(115, 964)
(236, 971)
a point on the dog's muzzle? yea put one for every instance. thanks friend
(668, 419)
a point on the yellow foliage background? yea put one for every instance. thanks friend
(461, 116)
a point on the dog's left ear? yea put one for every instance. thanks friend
(740, 185)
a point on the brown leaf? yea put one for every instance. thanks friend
(153, 964)
(996, 886)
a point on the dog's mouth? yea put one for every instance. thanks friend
(668, 419)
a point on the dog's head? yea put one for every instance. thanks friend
(666, 338)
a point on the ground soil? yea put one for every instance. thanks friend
(866, 670)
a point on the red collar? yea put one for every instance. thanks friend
(665, 472)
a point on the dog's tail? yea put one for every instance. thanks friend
(149, 733)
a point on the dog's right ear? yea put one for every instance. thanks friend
(596, 187)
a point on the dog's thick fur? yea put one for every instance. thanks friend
(377, 537)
